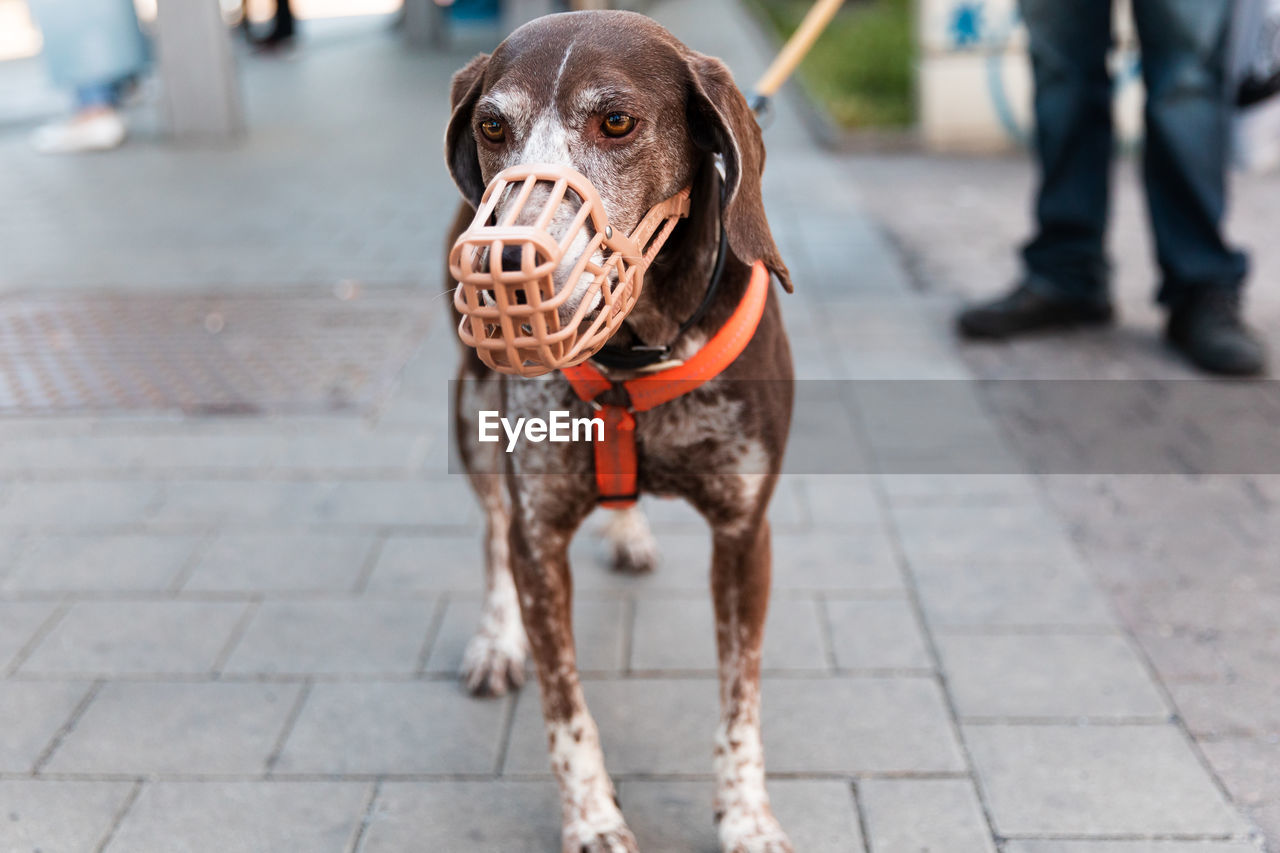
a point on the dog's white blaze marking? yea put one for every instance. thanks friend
(555, 90)
(548, 140)
(585, 790)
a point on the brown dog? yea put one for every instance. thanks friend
(545, 96)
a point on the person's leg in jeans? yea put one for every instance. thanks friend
(1067, 271)
(1188, 125)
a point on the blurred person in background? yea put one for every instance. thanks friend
(282, 29)
(96, 49)
(1187, 145)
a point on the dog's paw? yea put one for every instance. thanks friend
(585, 840)
(755, 831)
(632, 549)
(494, 664)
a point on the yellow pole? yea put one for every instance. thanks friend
(815, 21)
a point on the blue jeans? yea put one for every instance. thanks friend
(98, 95)
(1184, 68)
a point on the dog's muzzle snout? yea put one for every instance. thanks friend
(512, 312)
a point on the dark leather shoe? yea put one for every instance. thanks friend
(1207, 329)
(1028, 310)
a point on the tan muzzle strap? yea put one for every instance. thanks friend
(515, 318)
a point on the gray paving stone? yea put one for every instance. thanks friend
(58, 817)
(924, 816)
(831, 725)
(990, 534)
(818, 816)
(646, 726)
(959, 489)
(200, 728)
(333, 637)
(876, 635)
(679, 634)
(19, 621)
(444, 501)
(1096, 781)
(1130, 847)
(78, 504)
(394, 727)
(466, 817)
(31, 713)
(301, 562)
(1029, 594)
(858, 558)
(598, 631)
(99, 563)
(361, 451)
(841, 500)
(1249, 767)
(415, 563)
(136, 637)
(1048, 676)
(242, 817)
(252, 502)
(855, 725)
(1245, 705)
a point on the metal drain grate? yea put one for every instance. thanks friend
(204, 353)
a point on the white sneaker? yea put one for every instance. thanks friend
(101, 131)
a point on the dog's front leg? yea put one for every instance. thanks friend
(740, 567)
(592, 821)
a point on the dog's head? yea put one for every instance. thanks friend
(616, 97)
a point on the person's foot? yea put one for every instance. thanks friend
(97, 130)
(1207, 329)
(1026, 309)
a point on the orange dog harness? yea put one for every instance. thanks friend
(616, 472)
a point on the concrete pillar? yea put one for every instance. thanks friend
(425, 24)
(197, 71)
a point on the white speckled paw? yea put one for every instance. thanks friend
(492, 665)
(752, 832)
(616, 840)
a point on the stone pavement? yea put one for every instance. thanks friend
(240, 634)
(1189, 560)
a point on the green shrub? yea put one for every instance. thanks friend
(861, 66)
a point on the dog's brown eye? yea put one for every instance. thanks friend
(493, 130)
(617, 124)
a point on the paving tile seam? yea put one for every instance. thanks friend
(366, 817)
(38, 636)
(286, 729)
(361, 584)
(238, 630)
(433, 676)
(1093, 721)
(434, 626)
(287, 777)
(118, 818)
(331, 596)
(922, 624)
(68, 726)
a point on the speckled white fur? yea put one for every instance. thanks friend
(587, 802)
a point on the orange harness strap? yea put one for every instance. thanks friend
(616, 477)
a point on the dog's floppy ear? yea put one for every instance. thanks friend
(721, 121)
(459, 139)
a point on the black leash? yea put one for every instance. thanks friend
(641, 355)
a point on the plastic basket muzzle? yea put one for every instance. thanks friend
(515, 318)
